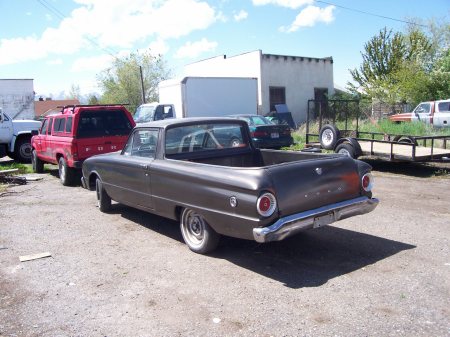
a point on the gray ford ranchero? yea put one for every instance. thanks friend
(207, 174)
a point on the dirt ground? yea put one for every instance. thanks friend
(128, 273)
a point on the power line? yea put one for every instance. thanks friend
(372, 14)
(62, 16)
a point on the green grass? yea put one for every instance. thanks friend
(9, 165)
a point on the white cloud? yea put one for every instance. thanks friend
(193, 49)
(309, 16)
(57, 61)
(158, 47)
(96, 63)
(98, 24)
(294, 4)
(242, 15)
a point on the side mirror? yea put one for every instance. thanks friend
(34, 132)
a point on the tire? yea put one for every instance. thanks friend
(36, 163)
(328, 136)
(347, 149)
(235, 142)
(23, 149)
(66, 173)
(197, 233)
(103, 199)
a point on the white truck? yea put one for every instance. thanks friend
(436, 113)
(15, 137)
(201, 97)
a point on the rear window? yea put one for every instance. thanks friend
(103, 123)
(203, 137)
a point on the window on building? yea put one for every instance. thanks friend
(277, 96)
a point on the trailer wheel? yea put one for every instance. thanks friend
(347, 149)
(197, 233)
(328, 136)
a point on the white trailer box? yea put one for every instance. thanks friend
(210, 96)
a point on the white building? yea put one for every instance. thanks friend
(17, 98)
(292, 80)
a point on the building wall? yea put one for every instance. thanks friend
(244, 65)
(298, 75)
(17, 98)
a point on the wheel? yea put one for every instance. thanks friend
(66, 173)
(347, 149)
(22, 150)
(36, 163)
(328, 136)
(235, 142)
(103, 199)
(197, 233)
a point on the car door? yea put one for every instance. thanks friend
(423, 113)
(131, 183)
(6, 130)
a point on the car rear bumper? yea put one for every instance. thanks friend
(315, 218)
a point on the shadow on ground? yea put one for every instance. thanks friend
(309, 259)
(420, 170)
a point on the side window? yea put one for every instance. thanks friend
(60, 124)
(142, 143)
(423, 108)
(50, 124)
(69, 124)
(44, 127)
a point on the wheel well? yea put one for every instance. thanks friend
(91, 183)
(178, 210)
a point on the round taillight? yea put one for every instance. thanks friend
(367, 182)
(266, 204)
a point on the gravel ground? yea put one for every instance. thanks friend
(128, 273)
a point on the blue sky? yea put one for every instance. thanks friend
(60, 43)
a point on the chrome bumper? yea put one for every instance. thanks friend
(315, 218)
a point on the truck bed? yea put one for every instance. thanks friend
(258, 159)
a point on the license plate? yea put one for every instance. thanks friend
(275, 135)
(323, 220)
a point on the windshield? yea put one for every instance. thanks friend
(144, 113)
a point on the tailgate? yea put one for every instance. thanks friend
(309, 184)
(88, 147)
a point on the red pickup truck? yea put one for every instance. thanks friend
(79, 132)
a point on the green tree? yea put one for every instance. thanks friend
(74, 93)
(121, 83)
(92, 99)
(405, 67)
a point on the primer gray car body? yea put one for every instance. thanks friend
(194, 164)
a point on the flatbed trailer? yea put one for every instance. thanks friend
(393, 147)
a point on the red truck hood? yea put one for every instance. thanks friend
(404, 117)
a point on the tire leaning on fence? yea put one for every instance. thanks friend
(328, 136)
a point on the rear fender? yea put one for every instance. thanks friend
(353, 142)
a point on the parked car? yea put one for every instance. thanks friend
(79, 132)
(266, 134)
(435, 113)
(189, 170)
